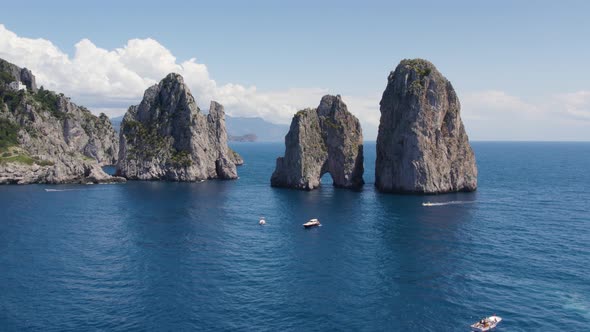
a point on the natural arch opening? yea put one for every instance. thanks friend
(326, 179)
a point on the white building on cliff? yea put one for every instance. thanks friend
(17, 86)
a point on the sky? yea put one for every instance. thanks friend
(521, 68)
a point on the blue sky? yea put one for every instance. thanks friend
(519, 59)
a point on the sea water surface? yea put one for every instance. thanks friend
(154, 256)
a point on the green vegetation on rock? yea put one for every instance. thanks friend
(422, 67)
(181, 159)
(148, 143)
(11, 98)
(23, 159)
(48, 100)
(5, 77)
(8, 134)
(331, 123)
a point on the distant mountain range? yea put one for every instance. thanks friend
(242, 129)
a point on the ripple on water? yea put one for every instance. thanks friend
(177, 256)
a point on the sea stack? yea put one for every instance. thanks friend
(422, 146)
(167, 137)
(327, 139)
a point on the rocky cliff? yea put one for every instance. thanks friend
(12, 73)
(167, 137)
(327, 139)
(422, 146)
(45, 138)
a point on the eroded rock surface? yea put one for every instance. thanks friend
(167, 137)
(327, 139)
(422, 146)
(45, 138)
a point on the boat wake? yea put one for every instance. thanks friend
(446, 203)
(58, 190)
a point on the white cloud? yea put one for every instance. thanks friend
(576, 104)
(495, 101)
(110, 80)
(492, 115)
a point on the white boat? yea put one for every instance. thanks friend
(487, 324)
(262, 221)
(427, 204)
(312, 223)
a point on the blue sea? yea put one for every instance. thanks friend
(154, 256)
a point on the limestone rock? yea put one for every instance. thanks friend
(10, 72)
(327, 139)
(236, 158)
(45, 138)
(422, 146)
(167, 137)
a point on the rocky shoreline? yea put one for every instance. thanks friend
(45, 138)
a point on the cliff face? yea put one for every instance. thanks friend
(167, 137)
(327, 139)
(422, 146)
(45, 138)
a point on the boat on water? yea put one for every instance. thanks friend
(262, 221)
(427, 204)
(312, 223)
(487, 324)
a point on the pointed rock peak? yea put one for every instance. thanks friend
(166, 137)
(215, 107)
(173, 78)
(329, 104)
(216, 112)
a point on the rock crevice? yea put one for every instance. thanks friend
(327, 139)
(422, 145)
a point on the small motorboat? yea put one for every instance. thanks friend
(427, 204)
(262, 221)
(487, 324)
(312, 223)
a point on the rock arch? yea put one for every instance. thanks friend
(326, 139)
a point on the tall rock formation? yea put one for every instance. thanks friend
(422, 146)
(327, 139)
(167, 137)
(45, 138)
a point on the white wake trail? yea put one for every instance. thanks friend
(446, 203)
(58, 190)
